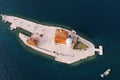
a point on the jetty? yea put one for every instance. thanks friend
(64, 45)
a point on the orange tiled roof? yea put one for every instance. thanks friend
(32, 42)
(61, 36)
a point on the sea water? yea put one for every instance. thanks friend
(97, 20)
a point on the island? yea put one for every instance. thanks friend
(64, 45)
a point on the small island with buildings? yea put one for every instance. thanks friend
(64, 45)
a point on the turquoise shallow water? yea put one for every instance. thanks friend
(97, 20)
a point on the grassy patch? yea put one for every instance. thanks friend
(80, 45)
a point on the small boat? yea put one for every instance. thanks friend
(105, 73)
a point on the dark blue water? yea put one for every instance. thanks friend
(98, 20)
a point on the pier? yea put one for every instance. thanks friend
(99, 50)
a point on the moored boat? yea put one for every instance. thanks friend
(105, 73)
